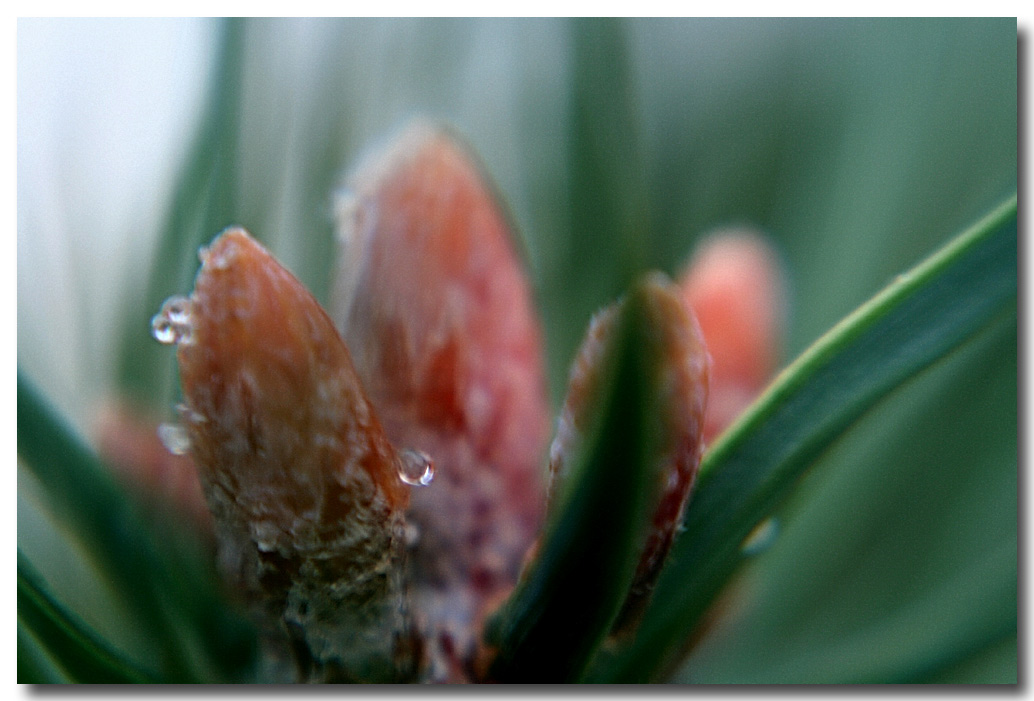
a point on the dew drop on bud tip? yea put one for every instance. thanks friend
(172, 324)
(415, 468)
(174, 438)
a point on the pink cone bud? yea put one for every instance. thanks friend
(735, 287)
(435, 307)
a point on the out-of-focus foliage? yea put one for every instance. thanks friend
(928, 311)
(858, 145)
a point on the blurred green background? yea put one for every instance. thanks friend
(858, 146)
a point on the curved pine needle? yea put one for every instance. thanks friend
(923, 315)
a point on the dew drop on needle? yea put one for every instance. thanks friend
(761, 537)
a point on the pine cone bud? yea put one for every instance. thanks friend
(681, 377)
(301, 480)
(735, 287)
(437, 312)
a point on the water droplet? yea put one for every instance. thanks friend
(162, 331)
(175, 438)
(178, 310)
(415, 468)
(761, 538)
(173, 324)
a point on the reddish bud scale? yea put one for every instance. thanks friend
(437, 312)
(298, 473)
(734, 286)
(682, 385)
